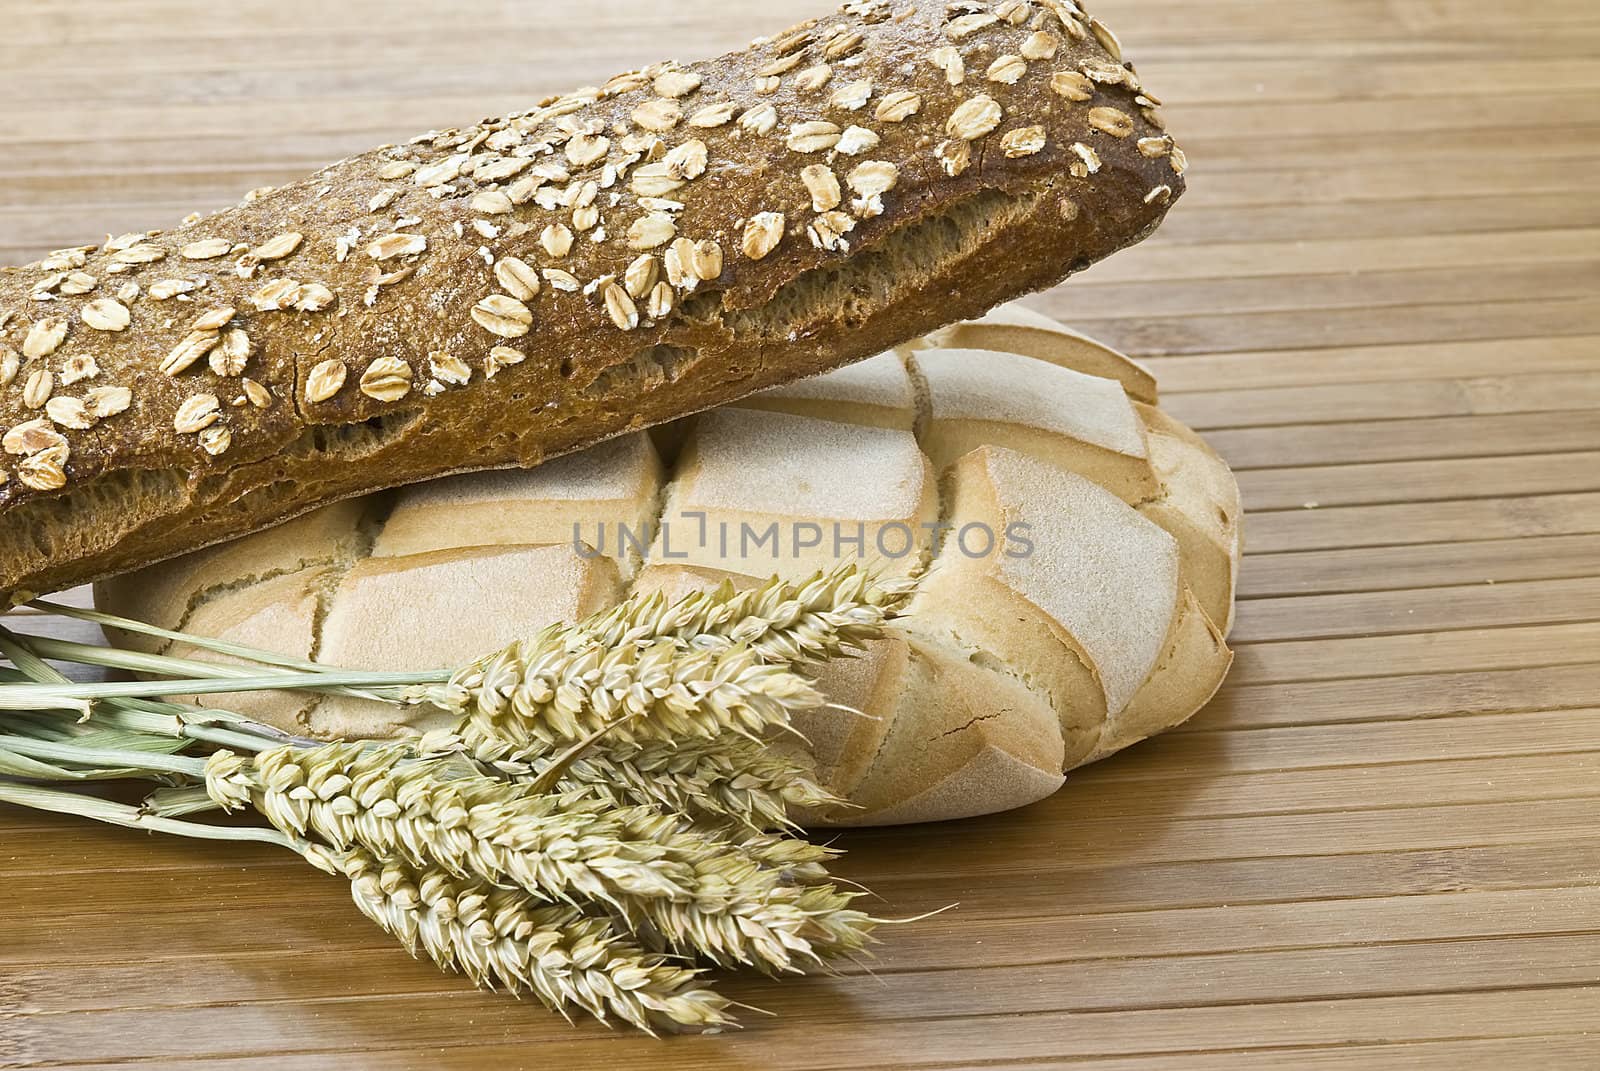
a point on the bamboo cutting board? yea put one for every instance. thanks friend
(1380, 300)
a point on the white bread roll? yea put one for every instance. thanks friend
(1076, 547)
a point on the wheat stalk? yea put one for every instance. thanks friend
(505, 939)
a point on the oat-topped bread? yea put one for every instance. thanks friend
(499, 294)
(1075, 550)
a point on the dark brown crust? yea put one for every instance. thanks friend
(944, 248)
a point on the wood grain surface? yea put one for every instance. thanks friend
(1377, 848)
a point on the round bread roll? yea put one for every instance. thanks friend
(1076, 550)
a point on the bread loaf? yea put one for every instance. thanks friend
(1014, 663)
(500, 294)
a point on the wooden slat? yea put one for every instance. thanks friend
(1374, 849)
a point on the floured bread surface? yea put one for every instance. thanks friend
(1076, 550)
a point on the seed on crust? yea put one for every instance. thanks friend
(585, 149)
(396, 244)
(10, 365)
(278, 294)
(142, 253)
(955, 156)
(961, 28)
(448, 368)
(230, 355)
(780, 66)
(163, 289)
(77, 282)
(853, 97)
(278, 247)
(439, 174)
(714, 115)
(1013, 12)
(1007, 70)
(1023, 141)
(44, 337)
(1179, 160)
(1090, 160)
(687, 160)
(325, 380)
(1111, 121)
(641, 275)
(30, 437)
(898, 106)
(255, 393)
(501, 315)
(655, 180)
(195, 345)
(974, 118)
(198, 412)
(762, 233)
(678, 263)
(823, 186)
(213, 319)
(1040, 46)
(651, 230)
(383, 199)
(501, 357)
(396, 169)
(556, 240)
(492, 203)
(662, 299)
(856, 140)
(813, 136)
(46, 470)
(760, 120)
(676, 83)
(843, 45)
(387, 379)
(69, 413)
(517, 277)
(828, 231)
(707, 260)
(1155, 148)
(1160, 193)
(37, 388)
(313, 297)
(215, 440)
(561, 280)
(1071, 85)
(77, 369)
(106, 402)
(813, 78)
(106, 314)
(624, 313)
(1107, 39)
(948, 60)
(874, 178)
(206, 249)
(659, 115)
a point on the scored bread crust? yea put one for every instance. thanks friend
(374, 324)
(1006, 671)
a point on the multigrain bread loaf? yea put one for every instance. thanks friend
(1077, 601)
(499, 294)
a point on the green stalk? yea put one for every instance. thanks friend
(59, 801)
(151, 761)
(236, 650)
(76, 696)
(169, 666)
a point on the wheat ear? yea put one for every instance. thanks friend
(704, 893)
(505, 939)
